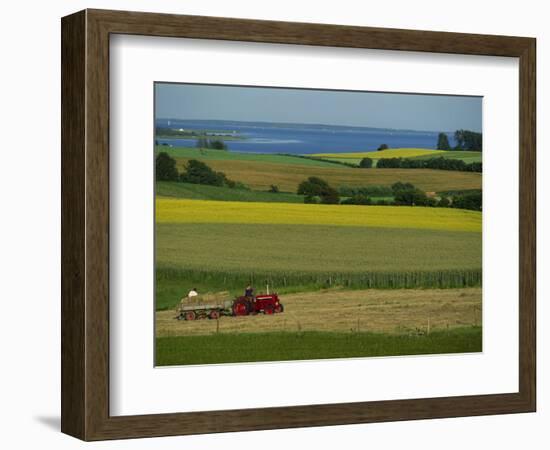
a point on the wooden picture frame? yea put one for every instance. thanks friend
(85, 224)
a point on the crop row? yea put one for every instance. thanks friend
(229, 280)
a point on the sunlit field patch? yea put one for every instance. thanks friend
(208, 211)
(389, 153)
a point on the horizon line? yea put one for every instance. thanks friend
(314, 123)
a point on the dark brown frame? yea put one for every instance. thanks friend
(85, 224)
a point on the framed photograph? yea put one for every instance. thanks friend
(274, 225)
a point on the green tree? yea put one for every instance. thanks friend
(197, 172)
(389, 163)
(383, 147)
(317, 187)
(468, 140)
(217, 145)
(165, 168)
(469, 200)
(365, 163)
(443, 142)
(314, 186)
(330, 196)
(408, 194)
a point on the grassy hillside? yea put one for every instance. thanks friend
(205, 192)
(212, 212)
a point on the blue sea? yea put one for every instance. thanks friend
(262, 137)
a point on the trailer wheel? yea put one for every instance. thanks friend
(214, 315)
(190, 315)
(279, 308)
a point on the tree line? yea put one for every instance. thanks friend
(440, 163)
(213, 144)
(466, 140)
(317, 190)
(196, 172)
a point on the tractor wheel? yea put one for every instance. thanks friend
(190, 315)
(214, 314)
(240, 309)
(279, 308)
(269, 310)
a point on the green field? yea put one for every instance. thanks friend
(205, 192)
(314, 248)
(286, 346)
(410, 153)
(222, 155)
(218, 257)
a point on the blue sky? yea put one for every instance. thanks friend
(369, 109)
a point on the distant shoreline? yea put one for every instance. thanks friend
(300, 125)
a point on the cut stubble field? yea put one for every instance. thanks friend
(397, 311)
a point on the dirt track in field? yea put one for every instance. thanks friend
(389, 311)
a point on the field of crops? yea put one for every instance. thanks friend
(222, 246)
(170, 210)
(287, 177)
(292, 258)
(389, 153)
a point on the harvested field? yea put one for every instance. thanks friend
(260, 176)
(339, 310)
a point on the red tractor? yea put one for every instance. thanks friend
(265, 303)
(241, 306)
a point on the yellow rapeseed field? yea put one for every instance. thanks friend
(208, 211)
(390, 153)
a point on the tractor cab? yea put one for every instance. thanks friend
(263, 303)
